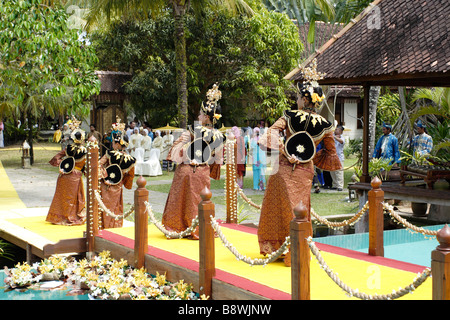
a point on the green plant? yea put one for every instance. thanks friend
(380, 167)
(243, 216)
(5, 251)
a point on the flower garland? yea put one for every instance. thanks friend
(420, 279)
(167, 233)
(336, 225)
(229, 184)
(405, 223)
(109, 212)
(284, 248)
(103, 278)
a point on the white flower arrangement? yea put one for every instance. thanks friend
(103, 278)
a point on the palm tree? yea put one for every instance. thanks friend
(141, 9)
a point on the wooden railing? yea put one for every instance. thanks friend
(300, 231)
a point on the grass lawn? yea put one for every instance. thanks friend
(325, 203)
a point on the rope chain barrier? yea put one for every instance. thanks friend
(167, 233)
(405, 223)
(419, 280)
(109, 212)
(284, 248)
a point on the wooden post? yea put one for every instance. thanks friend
(365, 152)
(141, 223)
(91, 200)
(376, 219)
(440, 265)
(300, 254)
(207, 268)
(230, 190)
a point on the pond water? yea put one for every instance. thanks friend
(400, 244)
(49, 290)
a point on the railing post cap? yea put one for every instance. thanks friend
(205, 194)
(141, 182)
(375, 183)
(301, 212)
(443, 237)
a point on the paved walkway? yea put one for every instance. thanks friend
(34, 189)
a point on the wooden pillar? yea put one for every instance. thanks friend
(365, 152)
(440, 265)
(141, 223)
(207, 268)
(91, 200)
(300, 230)
(376, 219)
(230, 189)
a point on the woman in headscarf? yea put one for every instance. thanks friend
(258, 162)
(116, 171)
(198, 151)
(241, 154)
(292, 182)
(68, 204)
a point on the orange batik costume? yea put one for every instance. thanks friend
(117, 171)
(292, 182)
(198, 152)
(68, 204)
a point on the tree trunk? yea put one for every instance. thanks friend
(374, 93)
(180, 57)
(30, 136)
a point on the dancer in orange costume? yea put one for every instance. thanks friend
(193, 172)
(68, 204)
(292, 182)
(117, 171)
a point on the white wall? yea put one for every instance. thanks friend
(350, 119)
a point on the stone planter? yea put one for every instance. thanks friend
(419, 209)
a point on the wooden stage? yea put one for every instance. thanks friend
(179, 258)
(234, 279)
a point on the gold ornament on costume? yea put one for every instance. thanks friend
(118, 125)
(310, 81)
(74, 127)
(213, 96)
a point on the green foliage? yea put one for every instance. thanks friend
(247, 56)
(436, 102)
(43, 63)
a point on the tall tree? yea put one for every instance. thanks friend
(43, 63)
(140, 9)
(247, 56)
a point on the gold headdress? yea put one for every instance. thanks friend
(118, 132)
(213, 96)
(74, 126)
(310, 86)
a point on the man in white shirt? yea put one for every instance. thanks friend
(130, 130)
(338, 175)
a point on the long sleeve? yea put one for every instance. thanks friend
(327, 158)
(102, 163)
(395, 150)
(128, 178)
(177, 152)
(56, 160)
(377, 150)
(271, 137)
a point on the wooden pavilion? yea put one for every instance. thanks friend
(391, 43)
(109, 103)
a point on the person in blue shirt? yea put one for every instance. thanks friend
(422, 142)
(387, 146)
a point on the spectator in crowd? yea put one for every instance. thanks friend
(338, 175)
(422, 143)
(387, 146)
(93, 132)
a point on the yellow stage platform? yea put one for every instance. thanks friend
(372, 276)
